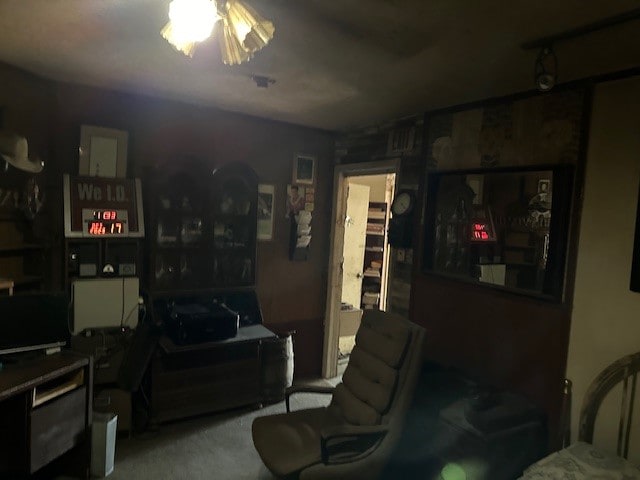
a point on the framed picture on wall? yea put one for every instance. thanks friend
(266, 195)
(103, 152)
(304, 167)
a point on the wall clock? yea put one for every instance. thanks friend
(401, 223)
(403, 203)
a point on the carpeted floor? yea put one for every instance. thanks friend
(217, 446)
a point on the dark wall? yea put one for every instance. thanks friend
(27, 107)
(292, 294)
(499, 339)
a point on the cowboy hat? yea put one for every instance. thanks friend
(15, 150)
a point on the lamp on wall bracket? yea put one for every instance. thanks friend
(239, 29)
(546, 69)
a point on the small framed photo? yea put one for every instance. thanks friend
(103, 152)
(295, 200)
(266, 194)
(304, 167)
(544, 186)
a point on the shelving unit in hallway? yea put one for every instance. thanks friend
(375, 257)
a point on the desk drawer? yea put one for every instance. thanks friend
(57, 427)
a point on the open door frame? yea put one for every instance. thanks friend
(334, 289)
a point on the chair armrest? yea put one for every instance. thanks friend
(304, 389)
(347, 443)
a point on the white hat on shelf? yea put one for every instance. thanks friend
(14, 149)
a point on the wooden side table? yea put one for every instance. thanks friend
(188, 380)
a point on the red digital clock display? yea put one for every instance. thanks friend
(105, 215)
(105, 228)
(480, 232)
(105, 223)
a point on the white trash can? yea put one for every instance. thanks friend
(103, 443)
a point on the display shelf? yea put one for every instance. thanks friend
(178, 247)
(90, 258)
(7, 249)
(26, 280)
(375, 258)
(22, 257)
(203, 227)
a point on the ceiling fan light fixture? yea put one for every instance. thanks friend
(243, 31)
(250, 28)
(190, 22)
(230, 47)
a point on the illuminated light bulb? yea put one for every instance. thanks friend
(191, 22)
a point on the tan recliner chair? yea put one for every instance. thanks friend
(354, 436)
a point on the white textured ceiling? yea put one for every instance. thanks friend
(338, 64)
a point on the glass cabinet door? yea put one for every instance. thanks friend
(234, 196)
(179, 249)
(202, 227)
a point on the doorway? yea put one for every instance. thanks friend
(359, 260)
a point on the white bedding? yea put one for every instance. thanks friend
(581, 461)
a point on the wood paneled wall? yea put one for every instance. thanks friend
(160, 131)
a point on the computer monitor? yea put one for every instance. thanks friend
(33, 322)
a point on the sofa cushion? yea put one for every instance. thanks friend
(369, 382)
(373, 368)
(353, 410)
(289, 442)
(383, 339)
(373, 383)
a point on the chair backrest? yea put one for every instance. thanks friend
(377, 370)
(625, 371)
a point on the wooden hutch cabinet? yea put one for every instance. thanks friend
(202, 254)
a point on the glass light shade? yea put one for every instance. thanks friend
(230, 48)
(251, 30)
(191, 22)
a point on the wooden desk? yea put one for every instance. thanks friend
(45, 412)
(189, 380)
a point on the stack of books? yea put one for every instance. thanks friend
(375, 228)
(370, 299)
(376, 213)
